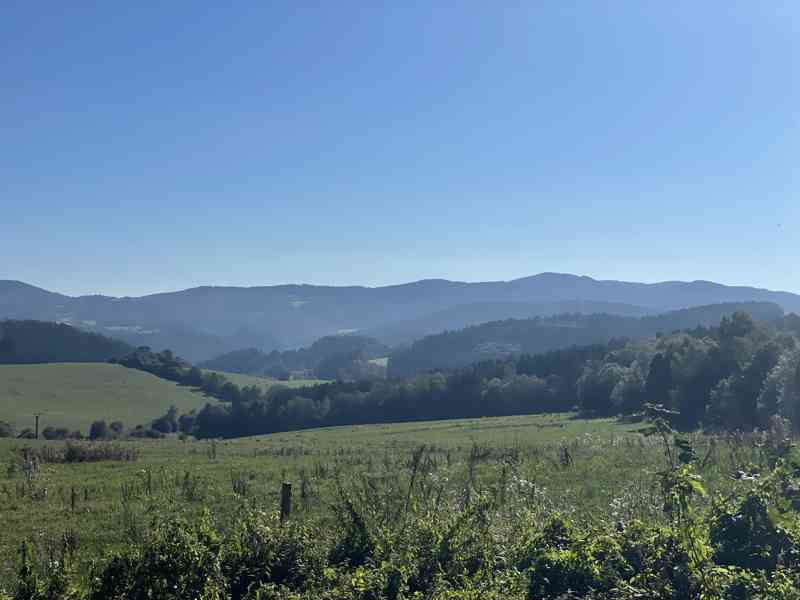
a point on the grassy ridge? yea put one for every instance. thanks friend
(74, 394)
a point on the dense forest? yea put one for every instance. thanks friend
(735, 376)
(24, 342)
(509, 337)
(330, 357)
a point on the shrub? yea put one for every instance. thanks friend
(77, 453)
(186, 422)
(750, 535)
(99, 430)
(167, 423)
(141, 432)
(6, 430)
(27, 434)
(356, 546)
(53, 433)
(261, 551)
(593, 564)
(180, 560)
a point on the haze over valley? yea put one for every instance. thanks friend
(201, 323)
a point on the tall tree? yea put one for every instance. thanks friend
(659, 379)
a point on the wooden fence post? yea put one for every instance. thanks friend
(286, 501)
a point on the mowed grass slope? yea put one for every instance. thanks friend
(456, 434)
(75, 394)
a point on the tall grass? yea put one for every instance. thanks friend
(373, 518)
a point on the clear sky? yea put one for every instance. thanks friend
(149, 146)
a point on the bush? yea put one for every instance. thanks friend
(27, 434)
(189, 559)
(180, 560)
(750, 536)
(186, 422)
(6, 430)
(141, 432)
(167, 423)
(78, 453)
(261, 551)
(593, 564)
(356, 546)
(53, 433)
(99, 430)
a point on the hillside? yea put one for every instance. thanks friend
(203, 322)
(73, 395)
(190, 342)
(324, 358)
(515, 336)
(24, 342)
(265, 383)
(463, 315)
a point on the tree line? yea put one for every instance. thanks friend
(735, 375)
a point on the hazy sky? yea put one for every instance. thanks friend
(159, 145)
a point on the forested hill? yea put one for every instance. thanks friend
(498, 339)
(739, 374)
(24, 342)
(324, 358)
(397, 333)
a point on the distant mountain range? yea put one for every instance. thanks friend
(203, 322)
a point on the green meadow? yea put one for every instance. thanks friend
(592, 470)
(73, 395)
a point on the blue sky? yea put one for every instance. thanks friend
(156, 146)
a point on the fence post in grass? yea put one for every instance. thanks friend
(286, 501)
(73, 498)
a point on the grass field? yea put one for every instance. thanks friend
(265, 382)
(73, 395)
(610, 468)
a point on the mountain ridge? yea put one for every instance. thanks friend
(437, 280)
(205, 321)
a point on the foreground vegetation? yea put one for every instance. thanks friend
(516, 507)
